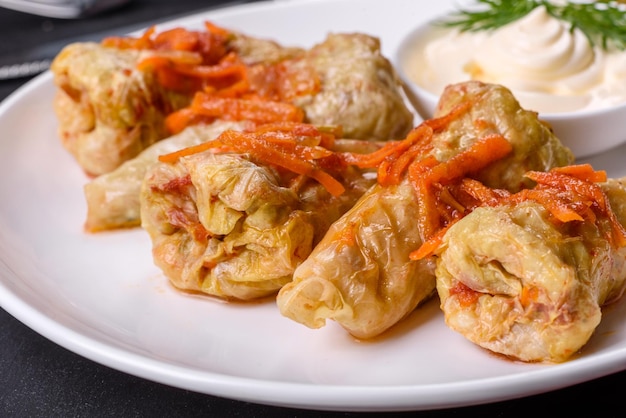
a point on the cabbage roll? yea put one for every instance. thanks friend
(360, 275)
(109, 110)
(230, 226)
(516, 282)
(113, 198)
(360, 90)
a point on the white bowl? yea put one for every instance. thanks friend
(585, 132)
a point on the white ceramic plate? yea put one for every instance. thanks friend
(101, 297)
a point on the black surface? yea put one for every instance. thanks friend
(41, 379)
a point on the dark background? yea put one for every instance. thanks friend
(41, 379)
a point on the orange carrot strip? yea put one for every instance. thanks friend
(241, 109)
(557, 206)
(483, 194)
(333, 186)
(442, 122)
(177, 121)
(394, 158)
(585, 189)
(373, 159)
(465, 295)
(265, 152)
(284, 154)
(143, 42)
(575, 200)
(186, 113)
(564, 182)
(157, 62)
(479, 155)
(177, 39)
(420, 133)
(400, 165)
(483, 152)
(325, 138)
(430, 246)
(172, 157)
(237, 89)
(427, 216)
(583, 172)
(213, 71)
(215, 29)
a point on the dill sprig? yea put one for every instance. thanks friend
(603, 22)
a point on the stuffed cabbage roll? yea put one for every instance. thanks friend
(230, 225)
(515, 280)
(113, 198)
(361, 274)
(343, 81)
(359, 89)
(109, 109)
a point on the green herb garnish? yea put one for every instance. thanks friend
(603, 22)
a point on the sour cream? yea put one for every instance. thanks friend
(549, 68)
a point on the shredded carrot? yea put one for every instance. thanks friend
(482, 194)
(177, 39)
(558, 205)
(237, 89)
(189, 62)
(426, 222)
(398, 163)
(260, 111)
(216, 30)
(156, 62)
(569, 194)
(585, 190)
(431, 245)
(395, 158)
(210, 44)
(287, 147)
(479, 155)
(177, 121)
(422, 133)
(308, 134)
(442, 122)
(143, 42)
(183, 72)
(578, 193)
(583, 171)
(234, 71)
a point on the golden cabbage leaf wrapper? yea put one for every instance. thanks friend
(113, 198)
(108, 110)
(235, 225)
(359, 88)
(361, 274)
(515, 280)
